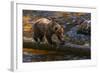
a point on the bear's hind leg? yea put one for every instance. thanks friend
(42, 39)
(35, 37)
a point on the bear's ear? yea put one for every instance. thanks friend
(51, 18)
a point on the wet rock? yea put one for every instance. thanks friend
(67, 57)
(39, 56)
(75, 58)
(74, 36)
(27, 58)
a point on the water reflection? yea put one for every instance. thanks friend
(34, 55)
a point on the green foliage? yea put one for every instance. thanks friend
(66, 38)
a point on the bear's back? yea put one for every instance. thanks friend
(41, 25)
(43, 21)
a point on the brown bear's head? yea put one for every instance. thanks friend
(59, 31)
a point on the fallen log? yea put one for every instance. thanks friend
(68, 47)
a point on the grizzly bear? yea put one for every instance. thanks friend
(44, 28)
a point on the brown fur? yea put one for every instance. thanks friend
(45, 28)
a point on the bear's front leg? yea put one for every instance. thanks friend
(49, 39)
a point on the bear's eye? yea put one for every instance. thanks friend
(56, 28)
